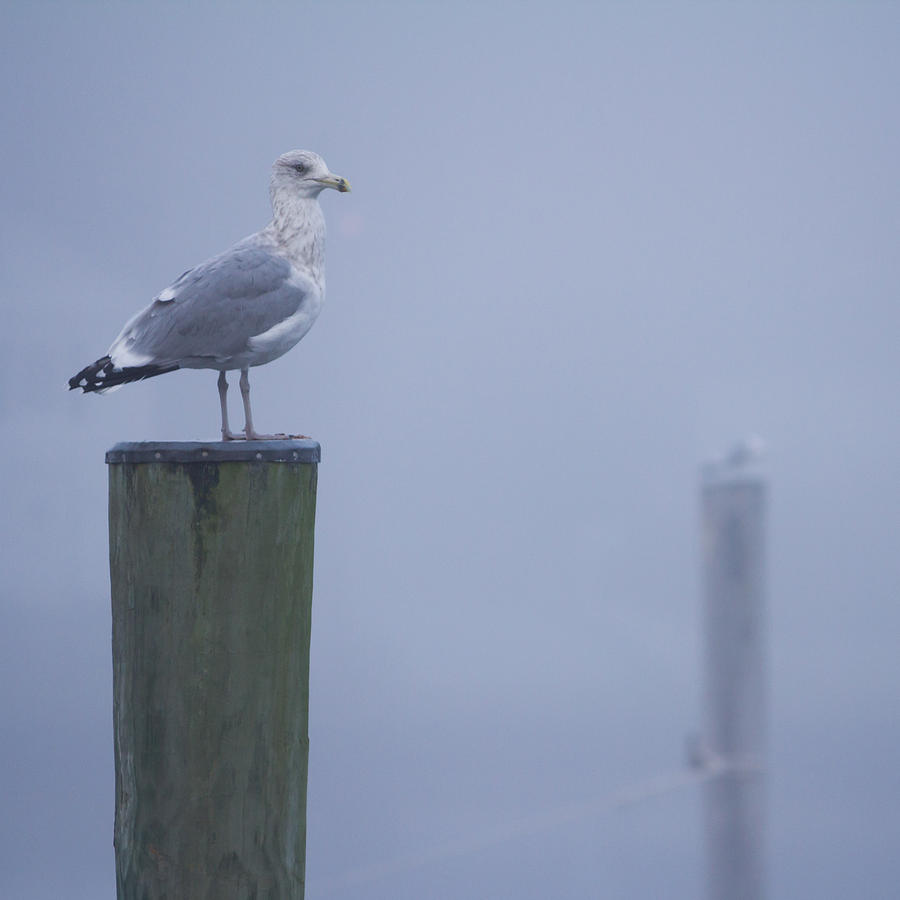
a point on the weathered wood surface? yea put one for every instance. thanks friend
(211, 568)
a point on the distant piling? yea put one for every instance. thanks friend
(211, 563)
(733, 504)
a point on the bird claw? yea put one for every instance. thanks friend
(253, 436)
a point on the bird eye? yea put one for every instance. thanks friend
(300, 168)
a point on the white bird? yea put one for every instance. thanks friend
(243, 308)
(745, 457)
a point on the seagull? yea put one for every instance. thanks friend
(744, 457)
(242, 308)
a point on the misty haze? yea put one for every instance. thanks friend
(588, 247)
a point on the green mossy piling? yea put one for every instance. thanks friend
(211, 567)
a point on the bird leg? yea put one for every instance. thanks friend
(250, 433)
(227, 433)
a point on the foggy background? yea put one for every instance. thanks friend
(587, 247)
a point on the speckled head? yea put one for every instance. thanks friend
(304, 173)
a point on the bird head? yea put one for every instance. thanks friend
(304, 173)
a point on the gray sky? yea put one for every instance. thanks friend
(588, 245)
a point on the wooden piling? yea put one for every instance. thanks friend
(733, 506)
(211, 563)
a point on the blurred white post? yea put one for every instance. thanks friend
(733, 500)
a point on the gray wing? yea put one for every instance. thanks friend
(212, 310)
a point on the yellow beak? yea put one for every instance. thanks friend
(336, 182)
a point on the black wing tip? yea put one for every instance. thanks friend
(102, 375)
(92, 377)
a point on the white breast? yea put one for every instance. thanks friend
(275, 342)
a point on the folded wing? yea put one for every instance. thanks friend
(208, 316)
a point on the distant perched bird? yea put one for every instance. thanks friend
(243, 308)
(744, 456)
(751, 449)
